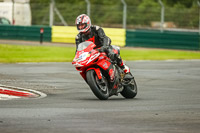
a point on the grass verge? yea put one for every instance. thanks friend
(22, 53)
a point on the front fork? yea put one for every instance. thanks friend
(97, 71)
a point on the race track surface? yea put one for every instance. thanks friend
(168, 100)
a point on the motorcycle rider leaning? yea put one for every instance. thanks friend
(95, 34)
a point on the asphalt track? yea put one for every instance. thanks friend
(168, 100)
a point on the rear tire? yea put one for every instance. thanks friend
(99, 90)
(130, 91)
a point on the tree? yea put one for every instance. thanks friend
(186, 3)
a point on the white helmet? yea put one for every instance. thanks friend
(83, 23)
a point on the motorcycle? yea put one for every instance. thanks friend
(104, 76)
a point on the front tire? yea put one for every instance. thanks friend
(100, 89)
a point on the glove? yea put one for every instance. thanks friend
(103, 49)
(112, 56)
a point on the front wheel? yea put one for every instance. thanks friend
(98, 87)
(130, 90)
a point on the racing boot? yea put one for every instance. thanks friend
(126, 70)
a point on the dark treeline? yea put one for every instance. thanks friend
(109, 13)
(186, 3)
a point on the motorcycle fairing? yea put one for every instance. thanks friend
(107, 66)
(104, 64)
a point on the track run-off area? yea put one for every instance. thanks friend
(168, 100)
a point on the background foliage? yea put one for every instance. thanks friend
(140, 13)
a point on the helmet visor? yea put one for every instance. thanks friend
(81, 26)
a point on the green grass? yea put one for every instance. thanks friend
(22, 53)
(158, 54)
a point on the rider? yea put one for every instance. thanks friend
(88, 32)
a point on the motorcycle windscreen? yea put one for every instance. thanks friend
(84, 45)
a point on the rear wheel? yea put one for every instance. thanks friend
(130, 90)
(98, 87)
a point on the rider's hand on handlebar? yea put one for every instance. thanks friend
(102, 49)
(112, 56)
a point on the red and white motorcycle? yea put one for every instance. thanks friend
(104, 76)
